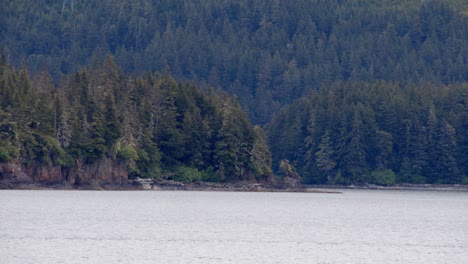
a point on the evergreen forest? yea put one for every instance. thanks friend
(155, 126)
(379, 132)
(347, 91)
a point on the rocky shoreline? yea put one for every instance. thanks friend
(169, 185)
(109, 175)
(164, 185)
(149, 184)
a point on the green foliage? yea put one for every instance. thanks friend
(129, 153)
(187, 174)
(209, 175)
(324, 157)
(383, 177)
(4, 154)
(465, 181)
(57, 155)
(149, 162)
(191, 174)
(261, 155)
(287, 169)
(417, 179)
(340, 180)
(8, 152)
(234, 144)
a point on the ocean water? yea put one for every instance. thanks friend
(46, 227)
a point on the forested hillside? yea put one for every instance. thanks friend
(152, 125)
(348, 91)
(376, 132)
(268, 53)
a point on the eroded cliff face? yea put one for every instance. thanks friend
(104, 171)
(13, 173)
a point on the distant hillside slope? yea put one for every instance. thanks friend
(268, 53)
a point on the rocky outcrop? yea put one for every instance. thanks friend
(291, 178)
(43, 173)
(104, 171)
(12, 173)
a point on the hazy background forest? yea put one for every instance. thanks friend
(348, 91)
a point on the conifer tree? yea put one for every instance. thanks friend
(325, 157)
(261, 156)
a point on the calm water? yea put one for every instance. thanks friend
(45, 227)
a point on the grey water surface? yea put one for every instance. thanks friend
(46, 227)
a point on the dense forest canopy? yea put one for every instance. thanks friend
(378, 132)
(348, 91)
(267, 52)
(157, 127)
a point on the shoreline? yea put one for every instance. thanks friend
(169, 185)
(166, 185)
(398, 187)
